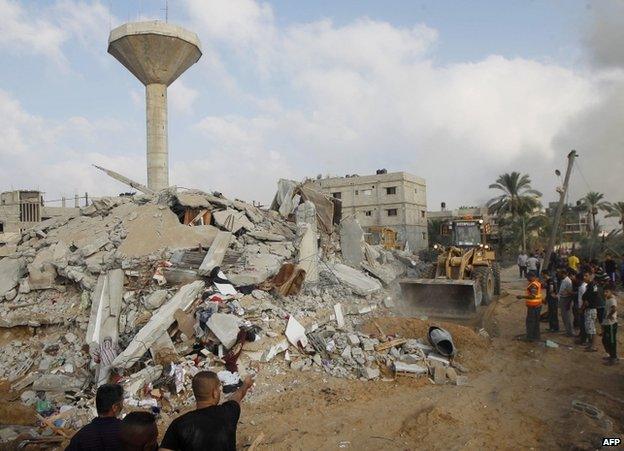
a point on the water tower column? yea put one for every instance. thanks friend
(157, 151)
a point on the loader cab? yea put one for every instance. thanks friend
(463, 233)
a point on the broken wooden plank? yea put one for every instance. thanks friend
(390, 344)
(216, 253)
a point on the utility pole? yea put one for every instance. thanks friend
(562, 194)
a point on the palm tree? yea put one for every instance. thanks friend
(616, 210)
(517, 199)
(591, 203)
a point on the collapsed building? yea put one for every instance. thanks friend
(183, 281)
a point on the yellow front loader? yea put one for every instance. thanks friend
(465, 275)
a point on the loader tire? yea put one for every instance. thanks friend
(485, 277)
(496, 272)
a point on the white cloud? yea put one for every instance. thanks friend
(56, 156)
(45, 30)
(181, 97)
(368, 94)
(27, 31)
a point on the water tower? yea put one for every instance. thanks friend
(156, 53)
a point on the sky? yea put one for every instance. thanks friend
(457, 92)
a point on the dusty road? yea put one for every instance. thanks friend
(519, 396)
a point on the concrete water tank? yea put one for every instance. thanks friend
(157, 53)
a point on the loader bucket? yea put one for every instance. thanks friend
(441, 297)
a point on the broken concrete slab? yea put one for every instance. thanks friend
(155, 299)
(308, 252)
(141, 378)
(266, 236)
(159, 322)
(214, 256)
(154, 229)
(11, 271)
(94, 245)
(57, 383)
(359, 282)
(253, 213)
(258, 268)
(105, 308)
(163, 351)
(232, 220)
(339, 316)
(439, 374)
(295, 333)
(225, 327)
(410, 368)
(283, 201)
(369, 372)
(384, 273)
(351, 241)
(274, 350)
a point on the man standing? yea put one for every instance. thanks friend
(591, 301)
(609, 326)
(533, 298)
(566, 301)
(610, 268)
(551, 301)
(573, 262)
(139, 432)
(522, 263)
(532, 265)
(210, 426)
(102, 434)
(582, 336)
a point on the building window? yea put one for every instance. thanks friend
(337, 195)
(367, 192)
(416, 190)
(369, 213)
(424, 235)
(391, 190)
(423, 213)
(392, 212)
(357, 192)
(2, 226)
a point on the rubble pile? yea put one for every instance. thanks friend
(149, 290)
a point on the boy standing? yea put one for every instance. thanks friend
(609, 326)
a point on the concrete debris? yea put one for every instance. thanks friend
(106, 307)
(11, 271)
(138, 270)
(225, 327)
(295, 333)
(232, 220)
(57, 383)
(410, 368)
(155, 299)
(160, 321)
(359, 282)
(308, 251)
(351, 241)
(266, 236)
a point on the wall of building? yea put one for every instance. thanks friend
(373, 198)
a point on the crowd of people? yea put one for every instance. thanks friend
(210, 426)
(581, 294)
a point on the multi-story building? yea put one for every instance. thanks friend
(396, 200)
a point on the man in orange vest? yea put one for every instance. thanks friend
(533, 298)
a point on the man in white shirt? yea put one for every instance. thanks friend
(522, 263)
(582, 336)
(532, 265)
(566, 302)
(609, 326)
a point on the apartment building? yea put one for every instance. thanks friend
(396, 200)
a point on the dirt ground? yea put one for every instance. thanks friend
(519, 396)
